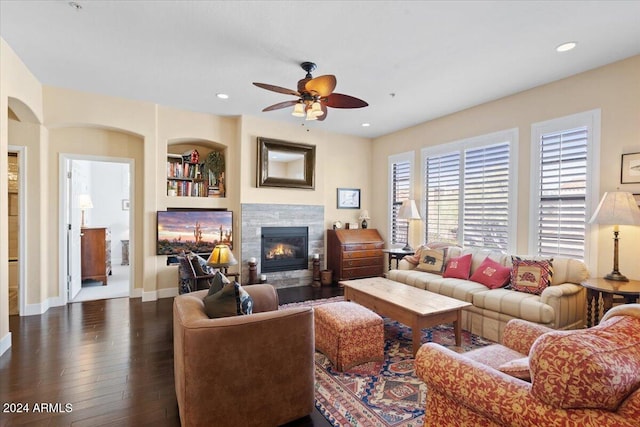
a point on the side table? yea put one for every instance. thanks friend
(396, 254)
(602, 289)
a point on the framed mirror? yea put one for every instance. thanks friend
(285, 164)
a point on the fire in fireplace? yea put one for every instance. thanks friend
(284, 249)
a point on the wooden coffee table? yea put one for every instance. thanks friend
(414, 307)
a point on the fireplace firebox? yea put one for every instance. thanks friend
(284, 249)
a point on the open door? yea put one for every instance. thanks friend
(76, 185)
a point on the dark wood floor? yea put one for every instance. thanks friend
(102, 363)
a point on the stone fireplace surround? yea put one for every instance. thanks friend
(254, 216)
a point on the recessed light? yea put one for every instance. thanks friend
(222, 95)
(565, 47)
(366, 125)
(75, 5)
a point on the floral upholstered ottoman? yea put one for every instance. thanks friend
(348, 334)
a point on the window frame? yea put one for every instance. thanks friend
(409, 157)
(507, 135)
(591, 120)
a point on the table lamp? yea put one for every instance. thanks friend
(84, 203)
(221, 258)
(408, 211)
(616, 208)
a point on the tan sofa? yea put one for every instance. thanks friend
(560, 306)
(254, 370)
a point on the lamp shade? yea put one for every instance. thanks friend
(408, 210)
(617, 208)
(221, 257)
(298, 110)
(84, 201)
(364, 214)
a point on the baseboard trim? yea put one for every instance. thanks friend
(5, 343)
(160, 293)
(42, 307)
(168, 292)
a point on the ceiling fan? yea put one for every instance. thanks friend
(314, 96)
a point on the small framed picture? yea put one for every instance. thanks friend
(125, 204)
(630, 173)
(348, 198)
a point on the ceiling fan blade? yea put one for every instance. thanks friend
(280, 105)
(338, 100)
(277, 89)
(321, 86)
(324, 109)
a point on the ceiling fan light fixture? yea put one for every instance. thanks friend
(316, 109)
(310, 115)
(298, 110)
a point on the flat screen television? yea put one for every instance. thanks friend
(193, 230)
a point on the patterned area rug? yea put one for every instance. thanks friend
(381, 394)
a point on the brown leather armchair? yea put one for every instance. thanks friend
(254, 370)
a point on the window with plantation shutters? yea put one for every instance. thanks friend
(442, 184)
(400, 189)
(469, 191)
(562, 193)
(486, 197)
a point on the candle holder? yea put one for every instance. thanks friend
(253, 271)
(316, 272)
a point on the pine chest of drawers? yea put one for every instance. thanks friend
(354, 254)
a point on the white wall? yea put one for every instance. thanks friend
(109, 187)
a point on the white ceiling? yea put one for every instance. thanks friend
(436, 57)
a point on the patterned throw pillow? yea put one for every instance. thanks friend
(415, 258)
(459, 267)
(531, 276)
(231, 300)
(200, 265)
(432, 260)
(518, 368)
(491, 274)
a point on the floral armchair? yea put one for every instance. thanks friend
(588, 377)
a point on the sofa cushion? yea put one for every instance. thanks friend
(531, 276)
(459, 267)
(231, 300)
(515, 304)
(460, 289)
(491, 274)
(432, 260)
(589, 368)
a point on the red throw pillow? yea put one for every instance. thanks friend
(459, 267)
(491, 274)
